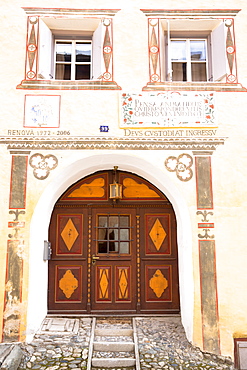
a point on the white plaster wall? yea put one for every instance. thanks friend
(75, 169)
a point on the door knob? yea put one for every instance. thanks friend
(94, 258)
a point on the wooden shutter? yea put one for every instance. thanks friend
(97, 64)
(219, 62)
(162, 53)
(168, 54)
(45, 51)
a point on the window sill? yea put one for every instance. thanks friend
(193, 86)
(67, 85)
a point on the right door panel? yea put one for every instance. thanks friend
(159, 262)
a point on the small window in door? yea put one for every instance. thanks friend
(113, 234)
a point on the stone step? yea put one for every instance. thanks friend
(114, 368)
(113, 362)
(113, 332)
(119, 338)
(113, 346)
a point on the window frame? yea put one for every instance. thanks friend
(73, 61)
(188, 60)
(158, 25)
(194, 33)
(117, 240)
(39, 61)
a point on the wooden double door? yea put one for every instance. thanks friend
(113, 257)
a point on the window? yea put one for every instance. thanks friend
(113, 234)
(189, 59)
(69, 49)
(73, 60)
(190, 48)
(195, 50)
(70, 54)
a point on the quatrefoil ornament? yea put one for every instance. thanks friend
(181, 165)
(42, 165)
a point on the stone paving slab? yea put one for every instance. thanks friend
(10, 356)
(162, 346)
(59, 325)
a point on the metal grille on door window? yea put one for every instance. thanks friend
(113, 234)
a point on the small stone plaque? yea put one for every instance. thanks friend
(59, 325)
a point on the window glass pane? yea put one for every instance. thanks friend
(113, 246)
(124, 221)
(102, 221)
(113, 221)
(198, 50)
(124, 234)
(63, 72)
(124, 247)
(198, 72)
(82, 72)
(102, 234)
(179, 71)
(113, 234)
(178, 50)
(102, 247)
(83, 52)
(63, 51)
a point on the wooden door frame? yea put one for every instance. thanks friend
(82, 167)
(152, 199)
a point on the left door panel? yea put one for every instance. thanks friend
(67, 289)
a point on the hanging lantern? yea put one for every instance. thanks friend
(115, 188)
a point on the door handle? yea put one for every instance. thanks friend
(94, 258)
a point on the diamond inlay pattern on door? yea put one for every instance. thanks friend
(122, 283)
(69, 234)
(157, 234)
(104, 277)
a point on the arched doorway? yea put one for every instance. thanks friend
(113, 256)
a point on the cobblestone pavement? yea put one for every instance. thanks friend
(162, 345)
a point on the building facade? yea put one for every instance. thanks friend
(123, 164)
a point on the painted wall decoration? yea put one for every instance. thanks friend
(42, 165)
(167, 109)
(207, 255)
(205, 225)
(204, 182)
(16, 250)
(17, 196)
(181, 165)
(42, 111)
